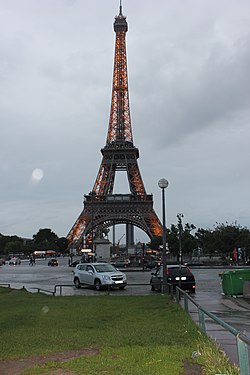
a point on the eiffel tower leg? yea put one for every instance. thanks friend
(135, 180)
(105, 179)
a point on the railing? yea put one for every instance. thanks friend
(3, 284)
(108, 289)
(40, 290)
(118, 198)
(241, 339)
(61, 286)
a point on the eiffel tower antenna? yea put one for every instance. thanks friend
(120, 8)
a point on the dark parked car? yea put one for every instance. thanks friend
(185, 279)
(53, 262)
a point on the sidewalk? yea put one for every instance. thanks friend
(236, 303)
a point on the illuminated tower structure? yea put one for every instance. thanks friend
(102, 208)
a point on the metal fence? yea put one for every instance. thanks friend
(242, 342)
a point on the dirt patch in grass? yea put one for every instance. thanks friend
(16, 366)
(192, 369)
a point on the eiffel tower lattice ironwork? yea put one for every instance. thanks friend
(102, 208)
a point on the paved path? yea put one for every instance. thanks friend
(234, 311)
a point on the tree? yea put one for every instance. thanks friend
(3, 241)
(45, 237)
(13, 247)
(189, 242)
(172, 239)
(62, 244)
(16, 246)
(223, 239)
(227, 237)
(155, 243)
(205, 240)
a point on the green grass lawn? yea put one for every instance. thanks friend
(135, 335)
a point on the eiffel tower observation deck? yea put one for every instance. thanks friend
(103, 209)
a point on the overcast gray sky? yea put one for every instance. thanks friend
(189, 84)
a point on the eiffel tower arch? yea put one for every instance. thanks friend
(103, 209)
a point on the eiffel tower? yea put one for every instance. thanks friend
(103, 209)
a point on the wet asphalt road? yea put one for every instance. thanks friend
(208, 294)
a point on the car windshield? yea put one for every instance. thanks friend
(105, 268)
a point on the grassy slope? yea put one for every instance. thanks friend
(135, 334)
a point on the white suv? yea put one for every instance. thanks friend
(99, 275)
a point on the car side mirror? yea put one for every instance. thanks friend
(153, 273)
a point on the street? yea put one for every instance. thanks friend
(208, 294)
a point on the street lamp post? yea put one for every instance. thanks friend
(179, 217)
(163, 184)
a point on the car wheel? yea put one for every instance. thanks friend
(77, 283)
(98, 285)
(152, 287)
